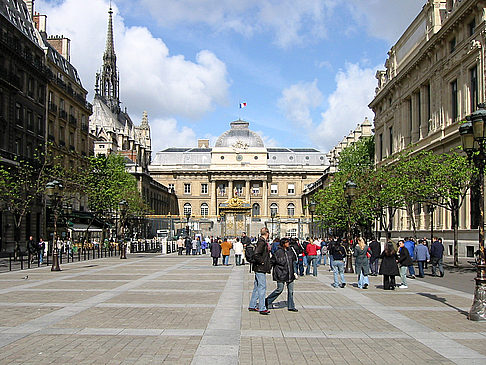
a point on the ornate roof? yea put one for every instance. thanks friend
(239, 136)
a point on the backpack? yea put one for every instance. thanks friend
(250, 252)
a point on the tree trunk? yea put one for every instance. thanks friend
(455, 226)
(412, 219)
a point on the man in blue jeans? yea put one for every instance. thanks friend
(261, 266)
(338, 254)
(410, 246)
(422, 255)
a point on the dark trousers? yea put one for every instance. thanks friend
(179, 250)
(300, 264)
(421, 268)
(215, 261)
(388, 282)
(374, 265)
(188, 251)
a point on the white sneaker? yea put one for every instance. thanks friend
(403, 287)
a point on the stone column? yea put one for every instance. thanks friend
(214, 199)
(230, 188)
(264, 210)
(247, 190)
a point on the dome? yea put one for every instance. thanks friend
(239, 136)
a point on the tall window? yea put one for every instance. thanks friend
(410, 116)
(292, 232)
(255, 189)
(390, 137)
(291, 189)
(474, 88)
(454, 101)
(472, 27)
(452, 45)
(429, 106)
(255, 210)
(274, 189)
(187, 188)
(172, 187)
(204, 210)
(380, 147)
(274, 209)
(238, 189)
(222, 189)
(204, 188)
(291, 210)
(419, 110)
(187, 209)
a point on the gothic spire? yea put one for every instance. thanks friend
(109, 77)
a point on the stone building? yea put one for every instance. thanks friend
(115, 131)
(23, 80)
(236, 185)
(434, 77)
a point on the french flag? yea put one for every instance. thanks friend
(242, 105)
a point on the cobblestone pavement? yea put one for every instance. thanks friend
(153, 309)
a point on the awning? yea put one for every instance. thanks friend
(81, 227)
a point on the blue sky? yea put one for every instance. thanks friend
(305, 67)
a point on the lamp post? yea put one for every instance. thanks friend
(473, 138)
(431, 208)
(188, 227)
(312, 210)
(54, 190)
(123, 206)
(273, 213)
(350, 193)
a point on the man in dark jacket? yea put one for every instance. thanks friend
(436, 256)
(297, 250)
(283, 273)
(261, 266)
(404, 261)
(375, 248)
(188, 244)
(32, 249)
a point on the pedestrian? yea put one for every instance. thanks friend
(41, 248)
(304, 245)
(204, 246)
(275, 245)
(375, 248)
(238, 248)
(421, 254)
(324, 252)
(261, 266)
(194, 246)
(297, 250)
(283, 273)
(338, 253)
(32, 249)
(362, 267)
(198, 245)
(389, 267)
(301, 257)
(436, 256)
(311, 251)
(225, 250)
(330, 247)
(180, 245)
(215, 252)
(318, 243)
(410, 245)
(188, 244)
(404, 260)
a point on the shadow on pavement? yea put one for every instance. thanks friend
(443, 301)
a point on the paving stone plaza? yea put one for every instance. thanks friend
(153, 309)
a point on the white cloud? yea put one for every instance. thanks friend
(297, 100)
(151, 79)
(385, 19)
(347, 105)
(171, 134)
(291, 21)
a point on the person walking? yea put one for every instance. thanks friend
(389, 267)
(421, 254)
(226, 247)
(204, 245)
(311, 251)
(194, 246)
(297, 250)
(188, 244)
(283, 273)
(362, 266)
(215, 252)
(404, 260)
(410, 245)
(436, 256)
(318, 243)
(198, 245)
(180, 246)
(32, 249)
(238, 248)
(261, 266)
(41, 247)
(375, 248)
(324, 252)
(338, 253)
(275, 245)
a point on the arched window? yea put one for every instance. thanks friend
(255, 210)
(187, 209)
(291, 209)
(274, 209)
(204, 210)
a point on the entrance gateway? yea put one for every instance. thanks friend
(235, 216)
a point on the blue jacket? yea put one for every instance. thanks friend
(421, 253)
(410, 245)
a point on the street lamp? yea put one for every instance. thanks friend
(473, 140)
(123, 206)
(430, 208)
(273, 213)
(350, 193)
(54, 190)
(312, 210)
(188, 227)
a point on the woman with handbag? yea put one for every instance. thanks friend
(389, 266)
(362, 266)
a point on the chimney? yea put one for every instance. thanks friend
(40, 22)
(62, 45)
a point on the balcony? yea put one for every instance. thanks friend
(52, 107)
(63, 114)
(72, 119)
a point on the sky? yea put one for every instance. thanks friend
(305, 68)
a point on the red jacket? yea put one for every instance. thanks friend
(311, 249)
